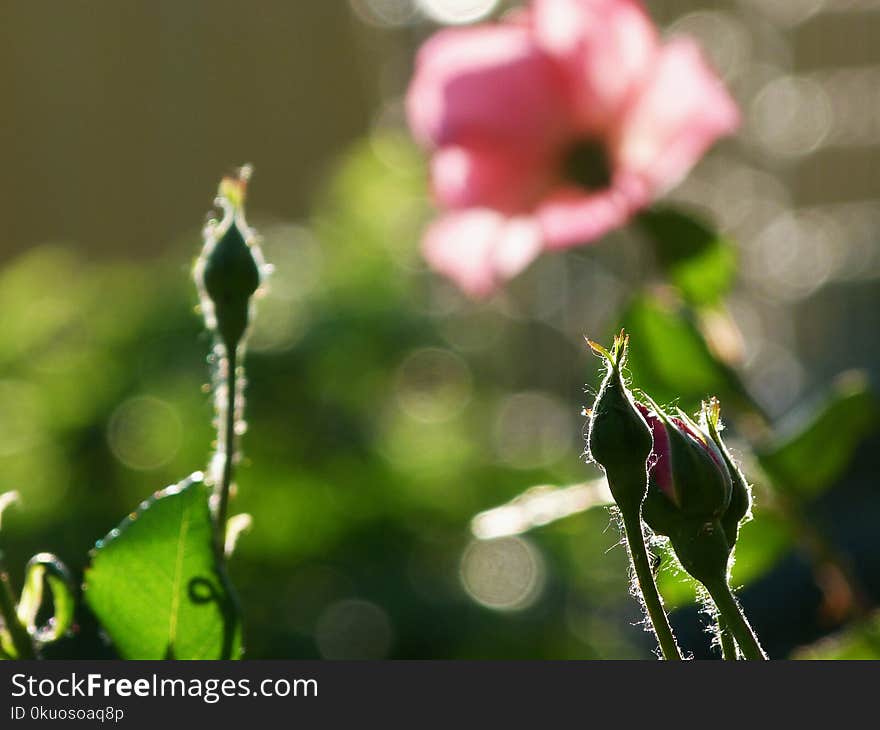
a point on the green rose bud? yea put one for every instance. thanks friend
(230, 268)
(619, 439)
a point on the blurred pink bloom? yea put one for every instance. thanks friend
(553, 127)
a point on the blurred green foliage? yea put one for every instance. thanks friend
(861, 641)
(697, 260)
(670, 360)
(814, 454)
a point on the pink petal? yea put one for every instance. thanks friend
(660, 461)
(683, 109)
(483, 176)
(489, 83)
(607, 48)
(480, 249)
(572, 217)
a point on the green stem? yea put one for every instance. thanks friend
(21, 640)
(638, 553)
(725, 639)
(732, 614)
(226, 442)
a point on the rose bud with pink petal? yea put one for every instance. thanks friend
(686, 468)
(552, 127)
(697, 496)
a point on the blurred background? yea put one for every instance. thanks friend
(385, 410)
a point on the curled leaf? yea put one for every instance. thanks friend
(46, 569)
(6, 499)
(235, 527)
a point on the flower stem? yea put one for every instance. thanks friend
(638, 553)
(21, 640)
(226, 445)
(729, 651)
(732, 614)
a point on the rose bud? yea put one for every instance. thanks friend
(687, 470)
(230, 268)
(697, 496)
(619, 439)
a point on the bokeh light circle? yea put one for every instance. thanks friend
(354, 629)
(457, 11)
(144, 433)
(432, 385)
(506, 574)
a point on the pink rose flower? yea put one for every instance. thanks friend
(553, 127)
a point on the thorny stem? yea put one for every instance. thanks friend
(638, 553)
(21, 640)
(732, 614)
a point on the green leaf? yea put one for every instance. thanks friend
(816, 452)
(45, 569)
(669, 358)
(698, 261)
(155, 583)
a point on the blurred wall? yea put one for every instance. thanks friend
(119, 116)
